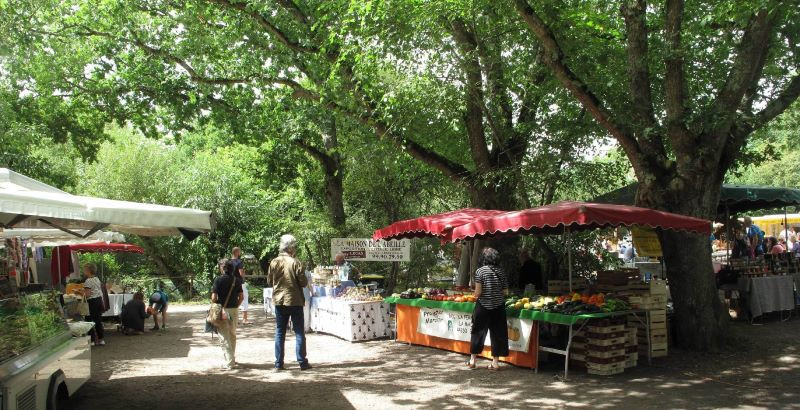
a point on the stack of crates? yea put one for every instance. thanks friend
(652, 297)
(631, 347)
(601, 347)
(648, 295)
(657, 343)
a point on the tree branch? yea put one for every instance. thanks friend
(555, 58)
(746, 125)
(327, 161)
(266, 24)
(634, 13)
(294, 9)
(675, 87)
(473, 98)
(743, 74)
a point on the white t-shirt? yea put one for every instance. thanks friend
(787, 235)
(95, 285)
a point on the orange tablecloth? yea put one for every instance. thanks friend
(408, 318)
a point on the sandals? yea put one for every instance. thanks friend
(493, 368)
(471, 366)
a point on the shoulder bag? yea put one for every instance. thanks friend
(217, 316)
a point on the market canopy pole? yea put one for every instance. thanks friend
(569, 255)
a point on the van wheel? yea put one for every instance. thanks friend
(57, 393)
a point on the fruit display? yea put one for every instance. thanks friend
(570, 304)
(356, 294)
(441, 295)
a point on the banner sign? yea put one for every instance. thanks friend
(452, 325)
(646, 242)
(366, 249)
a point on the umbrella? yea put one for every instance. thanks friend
(732, 198)
(436, 225)
(572, 216)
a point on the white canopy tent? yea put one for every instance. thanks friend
(57, 237)
(28, 203)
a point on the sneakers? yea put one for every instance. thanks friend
(279, 368)
(154, 328)
(306, 367)
(100, 343)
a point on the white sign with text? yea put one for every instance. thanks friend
(365, 249)
(448, 324)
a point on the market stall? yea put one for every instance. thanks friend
(42, 356)
(446, 326)
(27, 203)
(353, 321)
(610, 326)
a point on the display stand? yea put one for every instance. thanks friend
(351, 321)
(269, 307)
(408, 331)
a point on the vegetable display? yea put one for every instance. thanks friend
(27, 321)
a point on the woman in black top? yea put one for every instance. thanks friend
(133, 315)
(491, 285)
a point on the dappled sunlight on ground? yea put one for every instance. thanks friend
(181, 366)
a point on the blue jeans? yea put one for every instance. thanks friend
(282, 316)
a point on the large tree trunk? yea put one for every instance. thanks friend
(699, 312)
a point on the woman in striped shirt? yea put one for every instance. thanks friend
(491, 285)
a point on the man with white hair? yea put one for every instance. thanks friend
(287, 278)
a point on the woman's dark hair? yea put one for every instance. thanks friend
(138, 296)
(229, 267)
(489, 256)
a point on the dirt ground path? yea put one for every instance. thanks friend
(180, 368)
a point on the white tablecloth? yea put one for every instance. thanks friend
(351, 321)
(269, 306)
(768, 294)
(115, 302)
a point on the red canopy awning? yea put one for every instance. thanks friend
(105, 247)
(438, 225)
(576, 216)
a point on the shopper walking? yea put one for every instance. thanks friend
(491, 285)
(93, 291)
(287, 279)
(228, 292)
(238, 268)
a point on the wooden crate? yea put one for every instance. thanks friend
(631, 338)
(654, 287)
(647, 299)
(658, 353)
(606, 329)
(619, 277)
(606, 342)
(605, 369)
(606, 354)
(634, 323)
(653, 346)
(609, 372)
(583, 347)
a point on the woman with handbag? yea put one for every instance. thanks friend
(226, 298)
(93, 291)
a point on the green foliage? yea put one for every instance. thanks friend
(772, 158)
